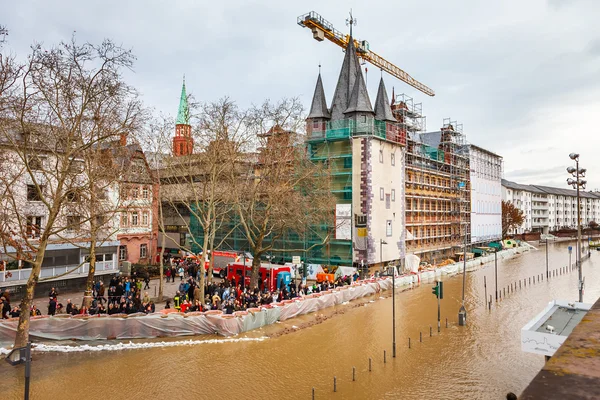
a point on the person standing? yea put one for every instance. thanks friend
(51, 306)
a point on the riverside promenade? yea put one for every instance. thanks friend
(574, 370)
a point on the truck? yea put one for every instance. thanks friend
(273, 275)
(220, 261)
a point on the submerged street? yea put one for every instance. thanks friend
(480, 361)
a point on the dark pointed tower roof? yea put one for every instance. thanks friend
(383, 111)
(359, 99)
(348, 74)
(318, 109)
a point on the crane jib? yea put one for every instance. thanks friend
(323, 29)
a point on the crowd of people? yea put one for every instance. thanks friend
(127, 295)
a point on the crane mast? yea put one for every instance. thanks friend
(323, 29)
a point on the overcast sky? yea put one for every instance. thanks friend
(523, 77)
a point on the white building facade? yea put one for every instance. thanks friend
(547, 209)
(486, 195)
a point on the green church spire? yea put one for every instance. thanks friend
(183, 115)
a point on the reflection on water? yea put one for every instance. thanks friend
(480, 361)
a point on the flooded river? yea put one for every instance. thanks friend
(480, 361)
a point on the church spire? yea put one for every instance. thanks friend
(318, 109)
(183, 115)
(383, 111)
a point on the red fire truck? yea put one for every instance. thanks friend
(220, 261)
(268, 274)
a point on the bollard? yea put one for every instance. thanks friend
(504, 292)
(430, 331)
(313, 394)
(384, 357)
(529, 281)
(154, 291)
(334, 384)
(519, 284)
(446, 322)
(353, 374)
(421, 337)
(490, 302)
(369, 364)
(409, 343)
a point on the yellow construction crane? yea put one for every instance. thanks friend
(323, 29)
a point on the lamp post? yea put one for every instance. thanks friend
(546, 257)
(578, 183)
(496, 271)
(462, 312)
(381, 243)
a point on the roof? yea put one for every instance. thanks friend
(518, 186)
(481, 149)
(383, 111)
(318, 109)
(183, 114)
(573, 372)
(359, 100)
(549, 190)
(345, 84)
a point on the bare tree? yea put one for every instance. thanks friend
(284, 192)
(71, 99)
(196, 186)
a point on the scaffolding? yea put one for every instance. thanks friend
(437, 185)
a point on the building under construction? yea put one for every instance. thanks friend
(437, 183)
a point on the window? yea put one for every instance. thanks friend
(108, 257)
(393, 194)
(381, 156)
(387, 202)
(76, 166)
(135, 193)
(381, 194)
(34, 226)
(347, 162)
(122, 253)
(182, 239)
(100, 220)
(388, 228)
(123, 219)
(393, 155)
(364, 119)
(33, 194)
(145, 192)
(35, 163)
(145, 218)
(73, 222)
(72, 196)
(143, 250)
(134, 218)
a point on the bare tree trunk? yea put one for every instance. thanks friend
(161, 265)
(211, 245)
(255, 270)
(22, 335)
(89, 283)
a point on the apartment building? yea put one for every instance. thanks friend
(547, 209)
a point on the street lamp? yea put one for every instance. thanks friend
(577, 183)
(381, 243)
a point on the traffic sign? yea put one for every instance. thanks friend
(296, 260)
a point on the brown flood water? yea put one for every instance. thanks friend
(480, 361)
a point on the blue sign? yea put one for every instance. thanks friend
(570, 249)
(461, 184)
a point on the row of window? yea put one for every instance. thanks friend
(123, 252)
(133, 218)
(488, 207)
(34, 224)
(392, 157)
(133, 192)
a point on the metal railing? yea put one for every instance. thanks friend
(15, 275)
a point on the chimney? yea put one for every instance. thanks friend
(123, 139)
